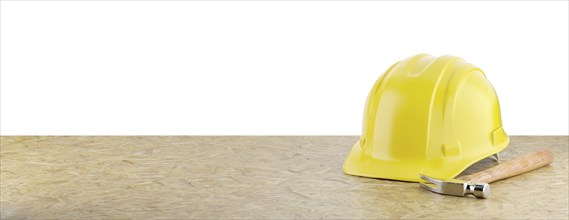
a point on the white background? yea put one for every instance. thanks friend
(262, 68)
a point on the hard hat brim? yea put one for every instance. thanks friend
(359, 164)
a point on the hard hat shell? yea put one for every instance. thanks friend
(430, 115)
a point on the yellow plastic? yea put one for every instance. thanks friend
(430, 115)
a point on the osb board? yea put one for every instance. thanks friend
(246, 177)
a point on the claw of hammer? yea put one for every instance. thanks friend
(455, 187)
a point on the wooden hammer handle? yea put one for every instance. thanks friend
(511, 168)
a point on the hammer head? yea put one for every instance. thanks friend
(455, 187)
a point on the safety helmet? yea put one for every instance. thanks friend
(427, 115)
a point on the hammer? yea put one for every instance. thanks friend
(477, 184)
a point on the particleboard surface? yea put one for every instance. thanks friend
(183, 177)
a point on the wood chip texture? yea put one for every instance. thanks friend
(247, 177)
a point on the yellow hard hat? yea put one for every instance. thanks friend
(427, 115)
